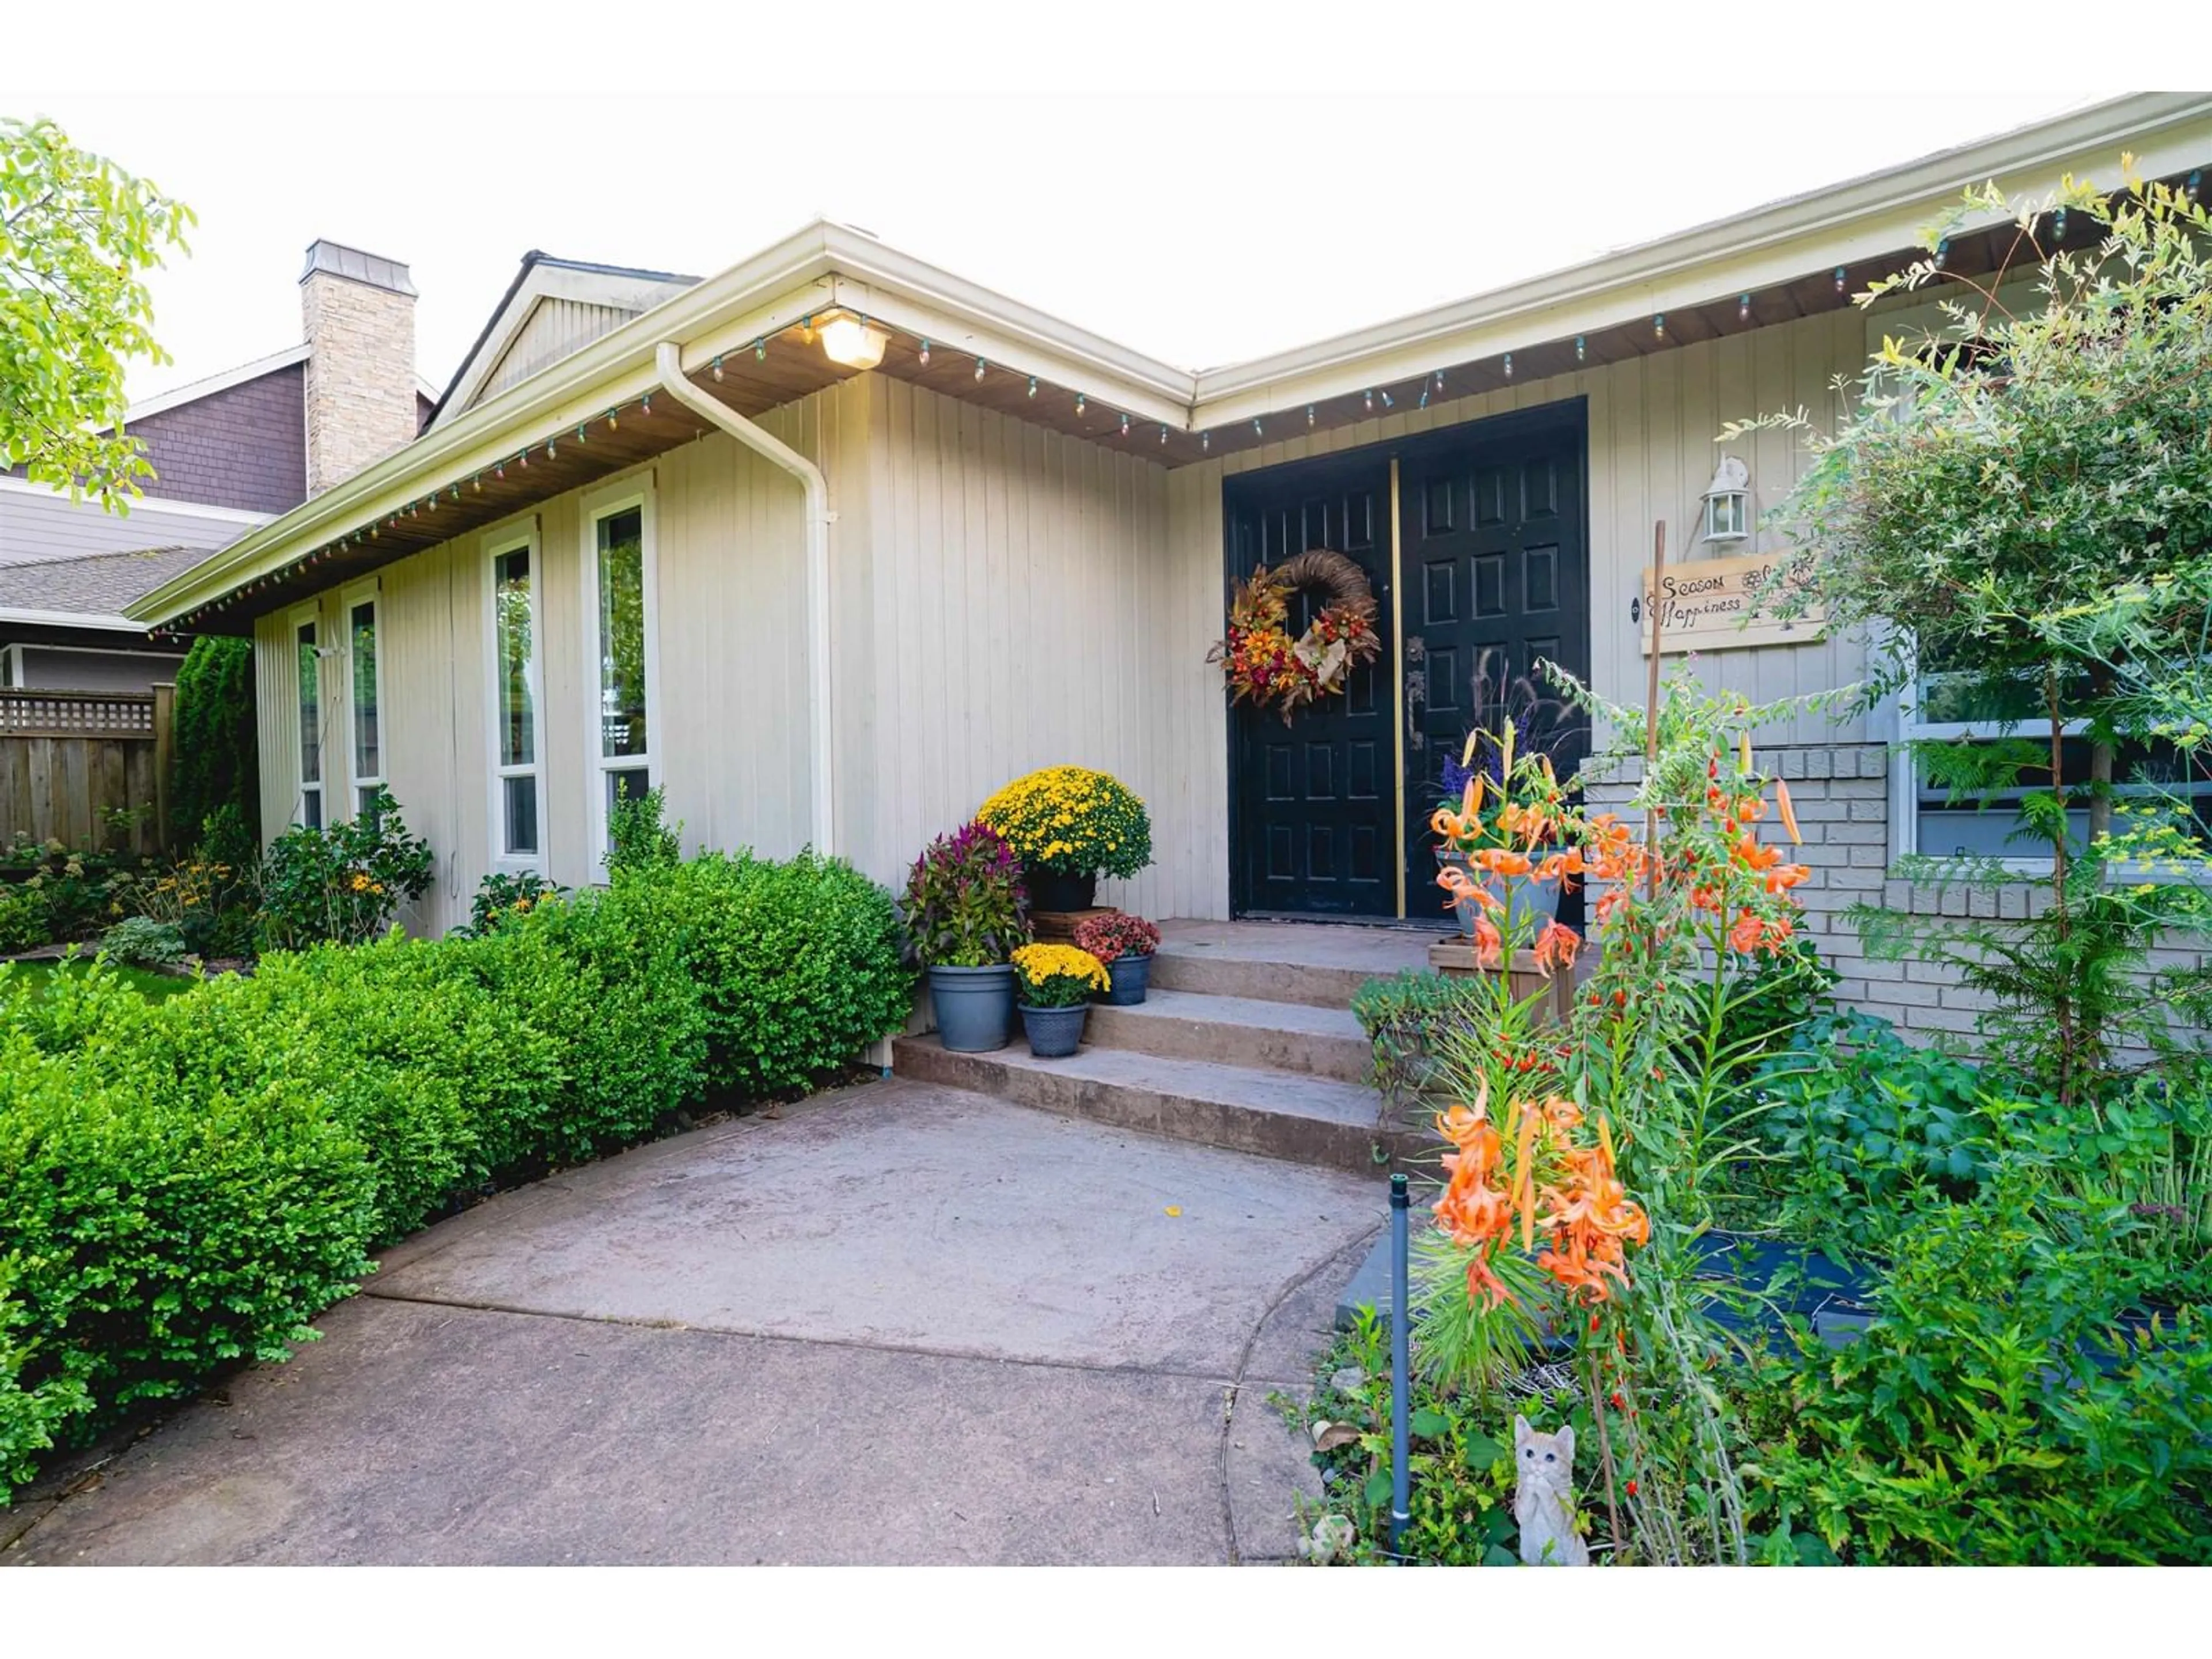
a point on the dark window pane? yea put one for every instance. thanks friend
(521, 814)
(518, 714)
(310, 707)
(367, 758)
(622, 634)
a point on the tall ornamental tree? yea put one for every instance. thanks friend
(76, 233)
(2022, 504)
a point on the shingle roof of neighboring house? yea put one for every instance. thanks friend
(93, 585)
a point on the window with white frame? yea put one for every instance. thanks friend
(308, 656)
(1944, 821)
(623, 732)
(361, 695)
(518, 791)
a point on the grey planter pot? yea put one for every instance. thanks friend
(975, 1006)
(1054, 1033)
(1537, 899)
(1129, 977)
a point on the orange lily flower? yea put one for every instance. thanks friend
(1745, 935)
(1789, 813)
(1489, 943)
(1503, 862)
(1754, 857)
(1560, 865)
(1556, 946)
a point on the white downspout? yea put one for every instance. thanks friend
(822, 728)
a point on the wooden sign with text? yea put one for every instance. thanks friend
(1707, 604)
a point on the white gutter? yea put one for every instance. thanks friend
(668, 361)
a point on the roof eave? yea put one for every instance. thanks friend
(617, 365)
(823, 265)
(105, 621)
(1862, 218)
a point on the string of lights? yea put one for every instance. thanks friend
(445, 497)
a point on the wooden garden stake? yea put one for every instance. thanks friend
(1605, 1459)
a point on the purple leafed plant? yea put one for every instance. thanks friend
(965, 903)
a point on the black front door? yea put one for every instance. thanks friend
(1496, 566)
(1493, 550)
(1315, 828)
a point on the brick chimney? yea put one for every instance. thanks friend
(359, 316)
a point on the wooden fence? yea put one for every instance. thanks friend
(73, 762)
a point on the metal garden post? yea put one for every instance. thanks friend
(1400, 1322)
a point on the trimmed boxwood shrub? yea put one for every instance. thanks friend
(184, 1184)
(155, 1229)
(797, 963)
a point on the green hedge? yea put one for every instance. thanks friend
(184, 1184)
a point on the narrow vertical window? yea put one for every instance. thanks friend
(367, 740)
(514, 715)
(310, 726)
(625, 735)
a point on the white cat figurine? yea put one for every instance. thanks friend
(1544, 1497)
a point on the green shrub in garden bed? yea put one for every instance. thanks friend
(797, 963)
(2010, 1403)
(154, 1229)
(185, 1183)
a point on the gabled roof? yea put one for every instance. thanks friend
(541, 276)
(1790, 259)
(92, 589)
(192, 390)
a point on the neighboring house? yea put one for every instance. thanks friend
(62, 626)
(229, 454)
(833, 542)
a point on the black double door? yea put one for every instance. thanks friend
(1492, 551)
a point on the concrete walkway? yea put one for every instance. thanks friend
(900, 1324)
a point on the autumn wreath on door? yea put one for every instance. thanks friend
(1262, 661)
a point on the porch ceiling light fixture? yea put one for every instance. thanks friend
(1728, 502)
(852, 341)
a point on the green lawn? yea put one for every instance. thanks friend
(145, 982)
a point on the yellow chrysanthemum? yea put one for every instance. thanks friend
(1073, 821)
(1037, 963)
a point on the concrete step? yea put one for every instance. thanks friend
(1246, 1031)
(1305, 1119)
(1208, 972)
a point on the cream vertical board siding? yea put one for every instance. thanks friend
(732, 744)
(432, 655)
(730, 713)
(276, 721)
(556, 328)
(1008, 616)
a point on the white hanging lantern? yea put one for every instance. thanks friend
(1728, 502)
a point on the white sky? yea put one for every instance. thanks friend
(1178, 181)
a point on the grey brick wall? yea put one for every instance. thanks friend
(1841, 796)
(245, 446)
